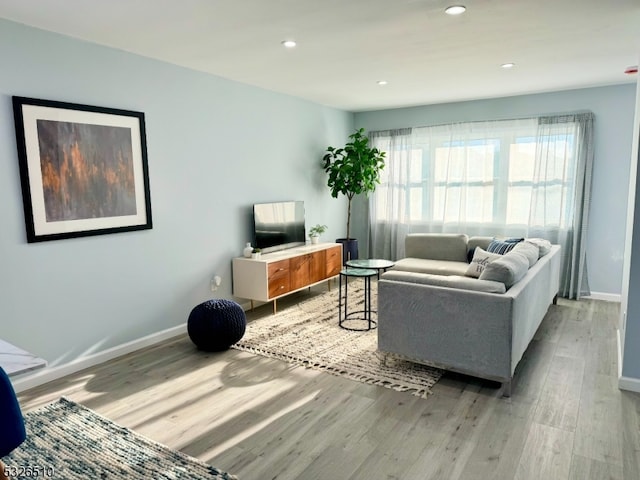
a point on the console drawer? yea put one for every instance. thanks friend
(333, 261)
(279, 281)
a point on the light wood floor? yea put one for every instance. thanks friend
(263, 419)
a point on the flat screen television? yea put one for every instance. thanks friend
(278, 225)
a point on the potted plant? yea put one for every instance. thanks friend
(353, 169)
(255, 254)
(315, 232)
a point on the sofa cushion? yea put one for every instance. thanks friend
(451, 281)
(481, 259)
(437, 246)
(424, 265)
(529, 250)
(508, 270)
(477, 241)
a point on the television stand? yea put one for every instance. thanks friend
(281, 273)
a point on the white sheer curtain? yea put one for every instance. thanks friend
(388, 205)
(525, 177)
(562, 193)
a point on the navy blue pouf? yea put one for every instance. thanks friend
(13, 432)
(216, 324)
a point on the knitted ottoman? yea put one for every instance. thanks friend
(216, 324)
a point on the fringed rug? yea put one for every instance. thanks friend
(308, 334)
(66, 441)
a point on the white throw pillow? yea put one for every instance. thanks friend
(529, 250)
(508, 270)
(481, 259)
(543, 245)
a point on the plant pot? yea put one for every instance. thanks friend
(349, 248)
(255, 256)
(314, 239)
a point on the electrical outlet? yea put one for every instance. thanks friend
(215, 283)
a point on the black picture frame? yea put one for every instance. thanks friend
(83, 169)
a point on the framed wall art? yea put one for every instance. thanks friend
(83, 169)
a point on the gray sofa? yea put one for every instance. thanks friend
(430, 312)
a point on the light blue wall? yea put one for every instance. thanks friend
(614, 112)
(214, 146)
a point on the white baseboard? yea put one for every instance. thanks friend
(607, 297)
(246, 306)
(625, 383)
(619, 342)
(629, 384)
(48, 374)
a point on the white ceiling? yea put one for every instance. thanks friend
(346, 46)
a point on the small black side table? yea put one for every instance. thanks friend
(363, 315)
(374, 263)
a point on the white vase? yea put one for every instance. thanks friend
(314, 239)
(247, 250)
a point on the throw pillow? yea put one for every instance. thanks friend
(479, 261)
(529, 250)
(502, 246)
(543, 245)
(508, 270)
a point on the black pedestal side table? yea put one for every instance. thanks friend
(345, 318)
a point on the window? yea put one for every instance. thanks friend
(480, 179)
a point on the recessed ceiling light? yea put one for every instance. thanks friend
(455, 9)
(508, 65)
(289, 43)
(382, 82)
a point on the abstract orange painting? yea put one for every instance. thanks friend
(83, 169)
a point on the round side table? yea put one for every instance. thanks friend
(372, 263)
(345, 318)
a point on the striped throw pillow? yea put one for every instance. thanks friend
(502, 246)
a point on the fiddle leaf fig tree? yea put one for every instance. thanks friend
(353, 169)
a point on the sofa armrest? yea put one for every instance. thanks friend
(461, 330)
(531, 299)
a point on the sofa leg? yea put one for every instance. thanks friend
(555, 299)
(383, 358)
(506, 389)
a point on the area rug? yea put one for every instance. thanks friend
(308, 334)
(67, 441)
